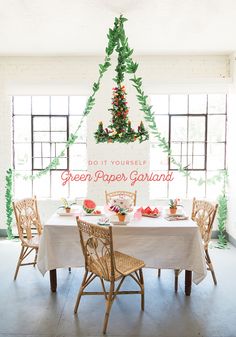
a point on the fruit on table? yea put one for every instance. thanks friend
(97, 211)
(149, 211)
(89, 206)
(155, 211)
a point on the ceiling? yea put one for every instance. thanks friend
(79, 27)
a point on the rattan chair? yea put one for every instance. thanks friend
(203, 213)
(27, 218)
(108, 265)
(131, 195)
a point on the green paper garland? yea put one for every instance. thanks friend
(120, 129)
(125, 64)
(9, 209)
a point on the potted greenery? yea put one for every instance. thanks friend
(122, 214)
(66, 205)
(173, 206)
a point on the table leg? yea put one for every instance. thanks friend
(188, 282)
(53, 280)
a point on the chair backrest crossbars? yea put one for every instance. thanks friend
(131, 195)
(203, 212)
(27, 217)
(97, 246)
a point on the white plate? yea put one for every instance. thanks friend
(91, 214)
(63, 213)
(175, 215)
(103, 224)
(120, 223)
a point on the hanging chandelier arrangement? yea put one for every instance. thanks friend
(120, 130)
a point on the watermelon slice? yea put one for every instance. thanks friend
(155, 211)
(147, 210)
(89, 206)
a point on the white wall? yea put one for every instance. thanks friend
(231, 153)
(75, 75)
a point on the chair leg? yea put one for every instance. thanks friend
(108, 306)
(80, 292)
(36, 256)
(142, 288)
(176, 279)
(69, 269)
(19, 262)
(210, 265)
(159, 273)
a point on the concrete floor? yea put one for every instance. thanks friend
(28, 308)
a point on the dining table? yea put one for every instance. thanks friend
(160, 243)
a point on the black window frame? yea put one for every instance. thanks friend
(49, 142)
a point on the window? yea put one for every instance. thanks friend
(195, 127)
(41, 127)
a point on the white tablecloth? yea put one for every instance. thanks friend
(160, 243)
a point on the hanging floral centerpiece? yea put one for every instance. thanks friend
(120, 130)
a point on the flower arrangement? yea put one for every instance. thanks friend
(120, 130)
(120, 212)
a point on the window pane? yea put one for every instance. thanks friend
(57, 189)
(178, 104)
(22, 188)
(215, 156)
(46, 149)
(196, 129)
(216, 104)
(78, 157)
(77, 104)
(180, 160)
(197, 162)
(177, 187)
(158, 189)
(46, 162)
(40, 105)
(195, 190)
(158, 158)
(179, 148)
(41, 136)
(23, 156)
(59, 148)
(178, 128)
(58, 123)
(22, 105)
(38, 164)
(197, 104)
(82, 133)
(78, 188)
(162, 126)
(22, 129)
(62, 164)
(216, 128)
(160, 104)
(41, 124)
(213, 190)
(59, 105)
(58, 136)
(41, 186)
(196, 148)
(37, 150)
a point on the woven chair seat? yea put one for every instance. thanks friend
(33, 242)
(124, 265)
